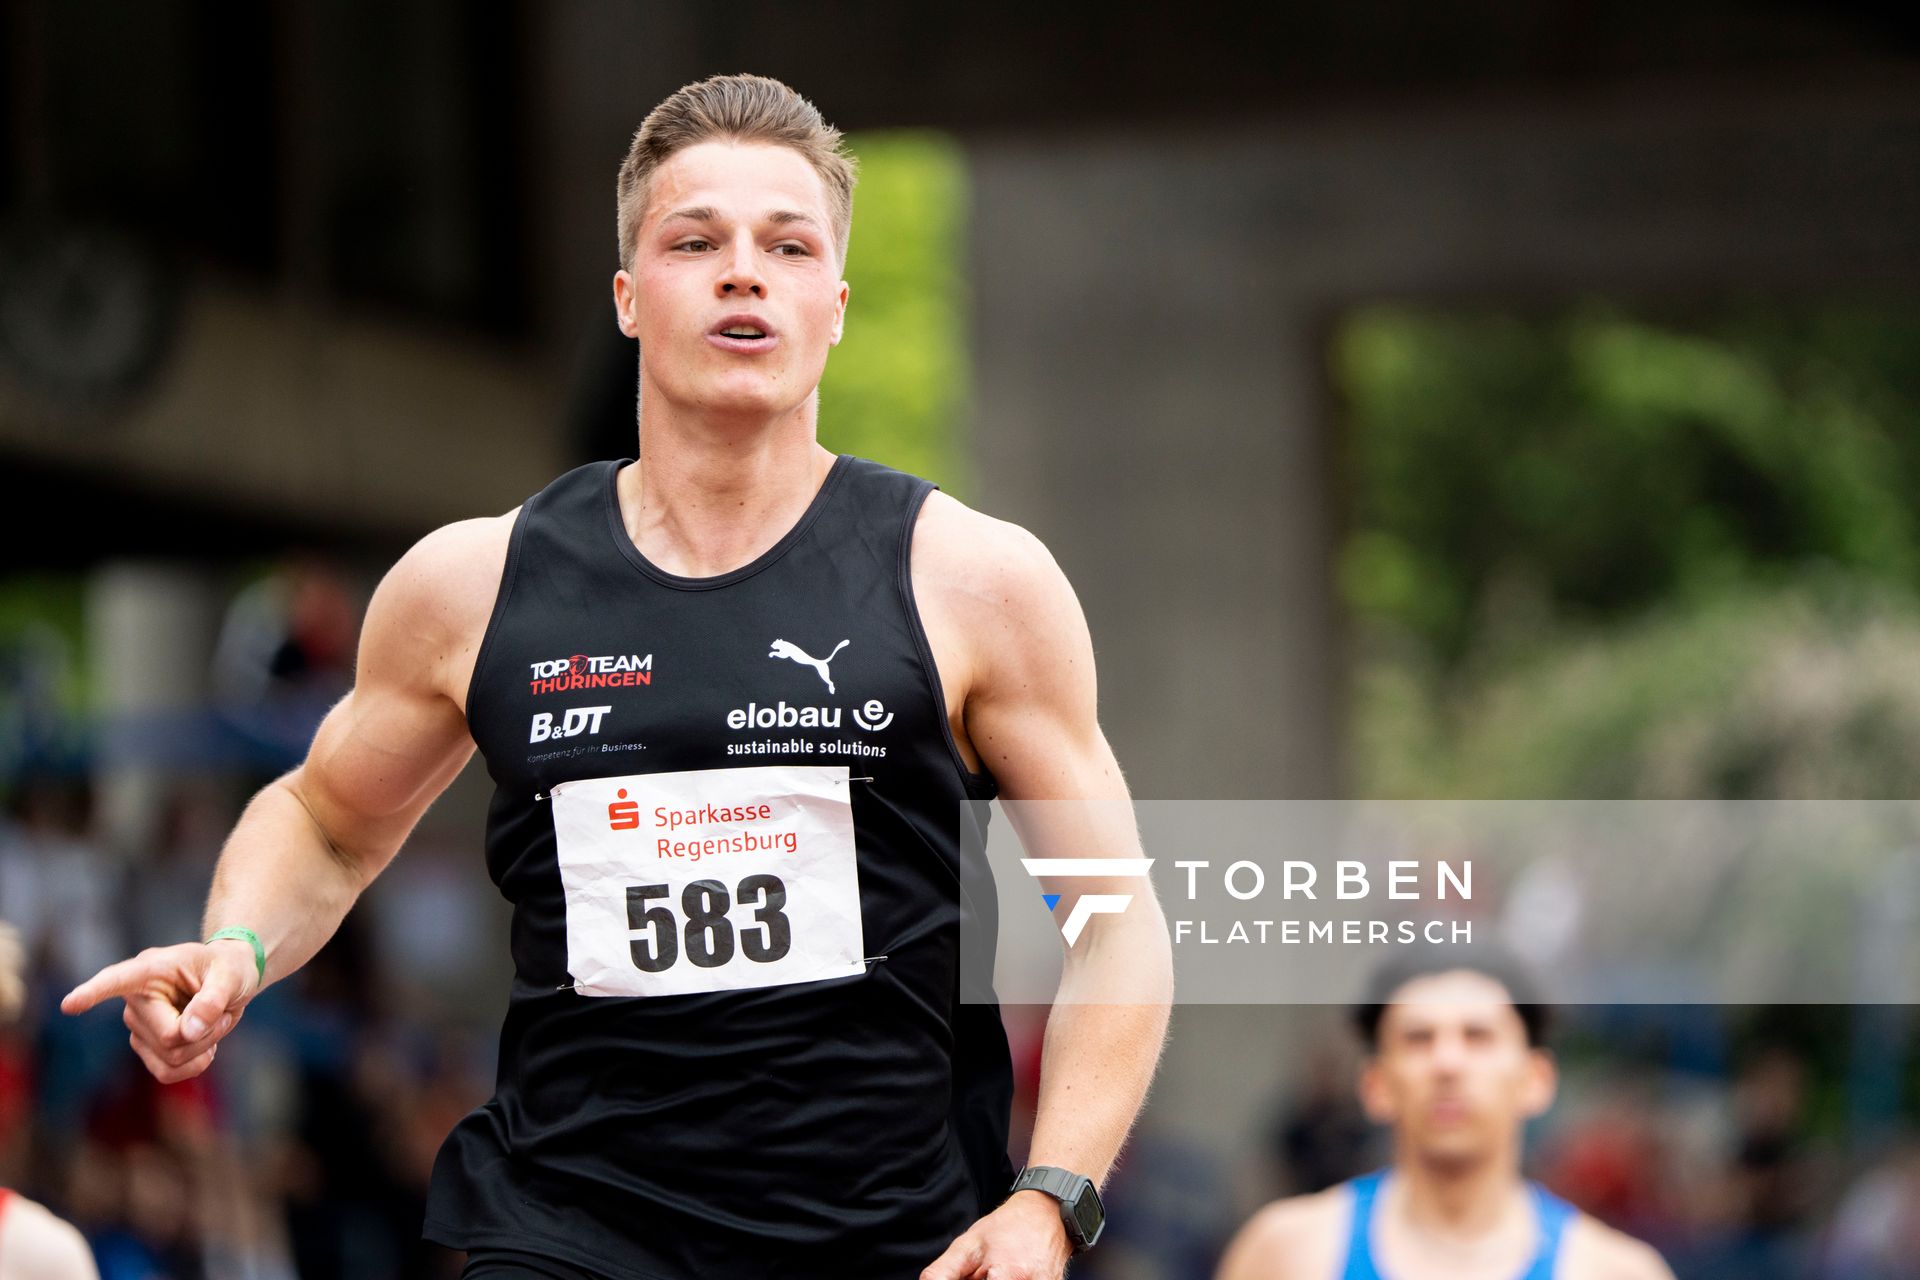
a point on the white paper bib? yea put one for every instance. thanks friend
(709, 879)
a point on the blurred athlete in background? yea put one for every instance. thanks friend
(1457, 1064)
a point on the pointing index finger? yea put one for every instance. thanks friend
(120, 979)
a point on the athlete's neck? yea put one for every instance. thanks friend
(1462, 1202)
(704, 500)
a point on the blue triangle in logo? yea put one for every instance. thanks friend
(1051, 899)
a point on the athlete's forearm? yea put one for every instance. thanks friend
(281, 876)
(1100, 1053)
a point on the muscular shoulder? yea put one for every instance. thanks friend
(451, 575)
(1293, 1239)
(991, 580)
(1595, 1251)
(431, 609)
(969, 554)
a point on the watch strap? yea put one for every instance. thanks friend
(1065, 1186)
(1058, 1183)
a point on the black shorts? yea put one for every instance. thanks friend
(512, 1264)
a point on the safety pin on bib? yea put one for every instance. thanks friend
(541, 795)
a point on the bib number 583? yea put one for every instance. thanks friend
(710, 937)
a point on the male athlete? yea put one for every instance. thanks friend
(1456, 1066)
(743, 701)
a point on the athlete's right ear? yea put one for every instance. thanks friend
(1375, 1099)
(1541, 1082)
(624, 298)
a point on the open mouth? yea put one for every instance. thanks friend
(743, 335)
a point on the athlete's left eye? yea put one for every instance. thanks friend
(799, 249)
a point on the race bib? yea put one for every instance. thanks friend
(709, 879)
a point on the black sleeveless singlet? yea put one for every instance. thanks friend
(846, 1126)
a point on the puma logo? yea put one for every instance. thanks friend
(787, 649)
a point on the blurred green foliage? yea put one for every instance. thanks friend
(895, 388)
(43, 689)
(1602, 553)
(1806, 690)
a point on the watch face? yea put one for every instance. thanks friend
(1087, 1212)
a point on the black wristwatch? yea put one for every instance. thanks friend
(1080, 1208)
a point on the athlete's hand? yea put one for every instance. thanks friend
(1023, 1239)
(181, 1001)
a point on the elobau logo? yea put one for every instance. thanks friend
(581, 671)
(871, 715)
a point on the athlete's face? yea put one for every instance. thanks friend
(1453, 1073)
(733, 230)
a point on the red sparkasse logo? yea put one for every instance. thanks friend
(606, 671)
(623, 814)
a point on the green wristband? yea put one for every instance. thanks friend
(247, 935)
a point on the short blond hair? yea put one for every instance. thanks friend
(737, 108)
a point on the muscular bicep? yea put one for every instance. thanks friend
(378, 761)
(394, 743)
(1032, 712)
